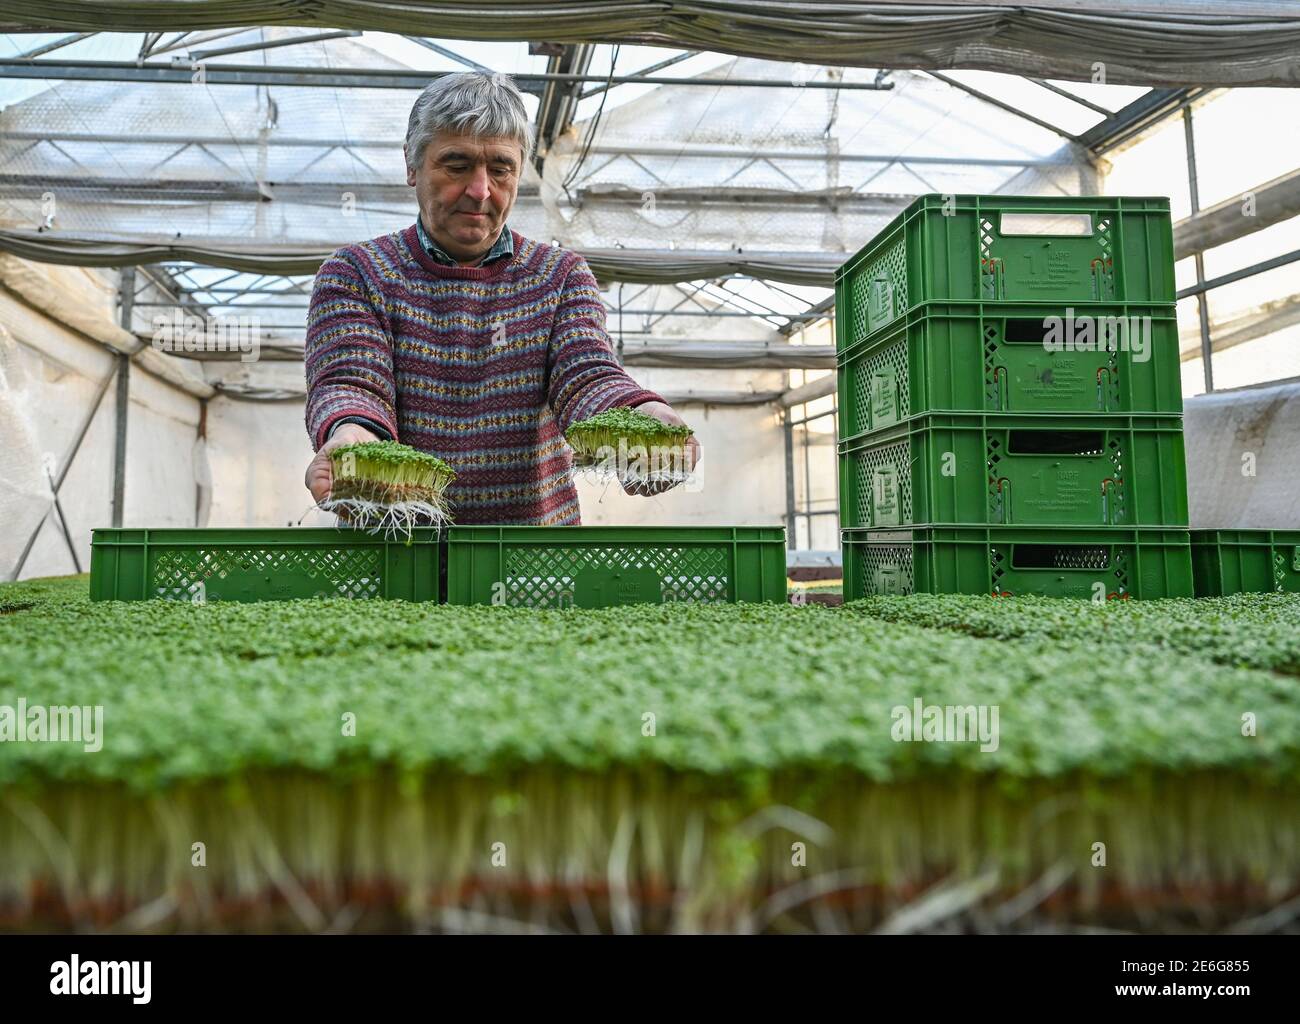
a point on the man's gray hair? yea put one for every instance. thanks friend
(470, 102)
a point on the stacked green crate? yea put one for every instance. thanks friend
(604, 566)
(214, 564)
(528, 566)
(1245, 561)
(1010, 405)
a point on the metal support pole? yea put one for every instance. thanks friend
(63, 525)
(787, 428)
(201, 437)
(126, 300)
(121, 409)
(1202, 306)
(807, 485)
(1240, 275)
(63, 471)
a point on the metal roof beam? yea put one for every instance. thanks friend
(1272, 202)
(15, 186)
(816, 311)
(681, 152)
(715, 195)
(1045, 84)
(810, 392)
(1003, 105)
(360, 78)
(429, 44)
(147, 44)
(1259, 322)
(198, 40)
(1142, 114)
(271, 44)
(55, 45)
(1240, 275)
(558, 103)
(687, 55)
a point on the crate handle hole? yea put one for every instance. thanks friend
(1024, 332)
(1056, 442)
(1060, 556)
(1054, 224)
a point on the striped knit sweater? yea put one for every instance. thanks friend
(485, 367)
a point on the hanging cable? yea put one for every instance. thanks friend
(591, 131)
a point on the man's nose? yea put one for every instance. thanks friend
(478, 189)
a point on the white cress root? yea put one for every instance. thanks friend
(383, 486)
(395, 520)
(643, 454)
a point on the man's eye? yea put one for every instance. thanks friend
(457, 168)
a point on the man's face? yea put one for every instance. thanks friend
(465, 188)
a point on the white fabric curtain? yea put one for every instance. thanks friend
(1129, 42)
(607, 264)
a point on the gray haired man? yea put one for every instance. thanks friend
(462, 337)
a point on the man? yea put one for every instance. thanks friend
(461, 337)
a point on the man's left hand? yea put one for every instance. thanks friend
(690, 455)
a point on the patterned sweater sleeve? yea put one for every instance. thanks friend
(348, 355)
(583, 373)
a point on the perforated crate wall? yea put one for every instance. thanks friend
(1103, 380)
(1246, 561)
(1112, 488)
(598, 566)
(1000, 248)
(1004, 470)
(877, 390)
(878, 292)
(1109, 565)
(338, 572)
(993, 265)
(877, 486)
(1090, 564)
(554, 576)
(262, 565)
(878, 569)
(1100, 358)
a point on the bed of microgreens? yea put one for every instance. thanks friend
(478, 725)
(197, 690)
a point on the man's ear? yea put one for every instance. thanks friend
(410, 171)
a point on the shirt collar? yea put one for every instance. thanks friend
(503, 246)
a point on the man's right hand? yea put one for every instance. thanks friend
(320, 473)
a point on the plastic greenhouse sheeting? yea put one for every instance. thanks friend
(1141, 42)
(249, 178)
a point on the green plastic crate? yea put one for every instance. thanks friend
(1016, 470)
(1007, 249)
(1245, 561)
(986, 357)
(255, 564)
(602, 566)
(1006, 561)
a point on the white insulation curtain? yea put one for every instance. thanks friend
(1137, 42)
